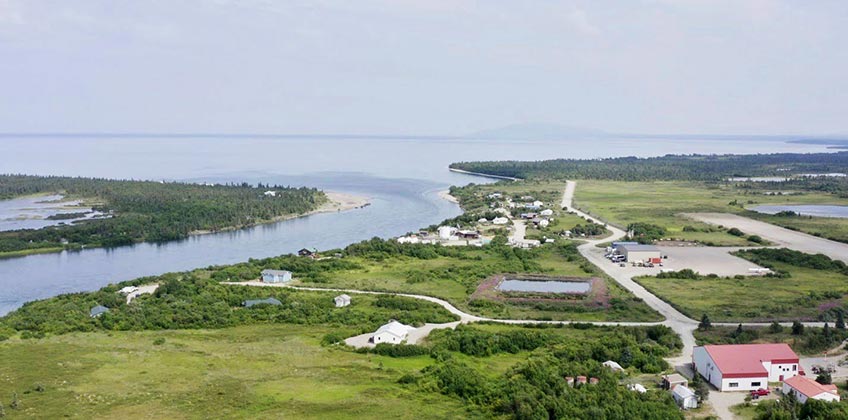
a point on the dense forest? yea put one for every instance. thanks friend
(669, 167)
(150, 211)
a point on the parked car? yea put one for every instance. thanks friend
(762, 392)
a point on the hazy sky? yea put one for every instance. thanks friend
(423, 66)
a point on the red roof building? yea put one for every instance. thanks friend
(805, 388)
(744, 367)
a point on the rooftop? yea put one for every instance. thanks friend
(747, 359)
(267, 301)
(683, 392)
(638, 247)
(395, 328)
(809, 387)
(275, 272)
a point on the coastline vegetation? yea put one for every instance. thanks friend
(147, 211)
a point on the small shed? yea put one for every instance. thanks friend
(673, 380)
(581, 380)
(97, 311)
(569, 380)
(267, 301)
(342, 301)
(684, 397)
(638, 388)
(276, 276)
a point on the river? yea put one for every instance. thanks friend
(401, 176)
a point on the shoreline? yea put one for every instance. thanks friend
(336, 202)
(462, 171)
(445, 195)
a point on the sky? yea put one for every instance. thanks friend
(423, 67)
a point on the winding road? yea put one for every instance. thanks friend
(674, 319)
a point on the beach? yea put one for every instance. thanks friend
(445, 195)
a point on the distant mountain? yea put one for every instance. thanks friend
(537, 131)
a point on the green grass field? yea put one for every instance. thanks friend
(276, 371)
(662, 202)
(455, 279)
(753, 298)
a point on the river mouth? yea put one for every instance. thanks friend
(816, 210)
(524, 285)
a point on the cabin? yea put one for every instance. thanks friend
(468, 234)
(97, 311)
(270, 193)
(745, 367)
(342, 301)
(307, 253)
(684, 397)
(500, 221)
(267, 301)
(392, 333)
(276, 276)
(804, 388)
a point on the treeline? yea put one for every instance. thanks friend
(536, 388)
(766, 257)
(150, 211)
(190, 302)
(669, 167)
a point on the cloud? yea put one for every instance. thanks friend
(10, 13)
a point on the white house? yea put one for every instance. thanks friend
(408, 240)
(538, 203)
(445, 232)
(276, 276)
(393, 333)
(745, 367)
(270, 193)
(546, 212)
(342, 301)
(804, 388)
(500, 221)
(544, 223)
(684, 397)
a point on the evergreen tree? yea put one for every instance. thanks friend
(797, 328)
(738, 331)
(775, 328)
(840, 321)
(705, 323)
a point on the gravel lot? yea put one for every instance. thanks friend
(707, 260)
(780, 236)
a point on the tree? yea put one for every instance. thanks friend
(705, 323)
(738, 331)
(824, 378)
(702, 390)
(775, 328)
(840, 321)
(797, 328)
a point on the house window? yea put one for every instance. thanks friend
(733, 385)
(794, 368)
(755, 384)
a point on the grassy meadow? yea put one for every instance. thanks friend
(269, 371)
(662, 202)
(798, 297)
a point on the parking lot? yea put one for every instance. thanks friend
(701, 259)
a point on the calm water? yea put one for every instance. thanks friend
(400, 175)
(806, 210)
(545, 286)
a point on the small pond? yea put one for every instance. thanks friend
(545, 286)
(806, 210)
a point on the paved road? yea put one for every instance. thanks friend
(780, 236)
